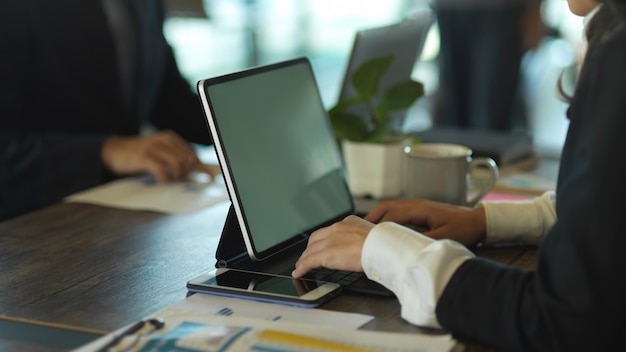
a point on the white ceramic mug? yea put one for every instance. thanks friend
(442, 172)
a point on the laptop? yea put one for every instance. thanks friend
(404, 40)
(282, 168)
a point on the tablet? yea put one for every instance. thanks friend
(279, 156)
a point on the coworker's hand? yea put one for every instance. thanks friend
(337, 246)
(436, 220)
(164, 154)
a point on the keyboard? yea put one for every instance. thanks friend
(343, 278)
(349, 280)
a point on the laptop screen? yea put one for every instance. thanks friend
(280, 160)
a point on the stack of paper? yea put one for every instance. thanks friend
(208, 323)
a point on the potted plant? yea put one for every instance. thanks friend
(373, 151)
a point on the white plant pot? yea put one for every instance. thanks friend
(375, 169)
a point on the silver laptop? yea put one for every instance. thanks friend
(281, 164)
(404, 40)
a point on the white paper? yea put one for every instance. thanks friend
(143, 193)
(214, 305)
(247, 329)
(139, 193)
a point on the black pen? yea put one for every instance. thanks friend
(131, 330)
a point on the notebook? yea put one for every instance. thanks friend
(404, 40)
(281, 165)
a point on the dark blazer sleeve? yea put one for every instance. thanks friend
(575, 300)
(178, 106)
(165, 96)
(37, 166)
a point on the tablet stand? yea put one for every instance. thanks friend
(231, 246)
(232, 253)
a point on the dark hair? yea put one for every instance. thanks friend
(610, 16)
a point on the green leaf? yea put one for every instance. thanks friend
(401, 96)
(367, 77)
(348, 126)
(378, 135)
(381, 119)
(372, 126)
(343, 104)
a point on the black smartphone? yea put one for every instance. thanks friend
(264, 287)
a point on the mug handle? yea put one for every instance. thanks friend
(493, 178)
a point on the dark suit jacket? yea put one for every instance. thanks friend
(60, 96)
(576, 298)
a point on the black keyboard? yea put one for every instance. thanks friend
(349, 280)
(343, 278)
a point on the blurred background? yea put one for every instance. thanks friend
(215, 37)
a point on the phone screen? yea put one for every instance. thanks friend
(265, 287)
(251, 281)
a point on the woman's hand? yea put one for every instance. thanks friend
(437, 220)
(337, 246)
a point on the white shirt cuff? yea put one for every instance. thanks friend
(414, 267)
(520, 222)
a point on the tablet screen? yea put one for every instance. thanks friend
(285, 173)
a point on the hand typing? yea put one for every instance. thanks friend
(337, 246)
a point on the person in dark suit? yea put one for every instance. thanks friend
(78, 80)
(574, 299)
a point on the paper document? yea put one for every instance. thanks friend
(197, 332)
(140, 193)
(143, 193)
(215, 305)
(206, 306)
(525, 182)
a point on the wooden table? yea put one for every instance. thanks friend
(98, 268)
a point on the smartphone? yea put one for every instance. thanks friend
(264, 287)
